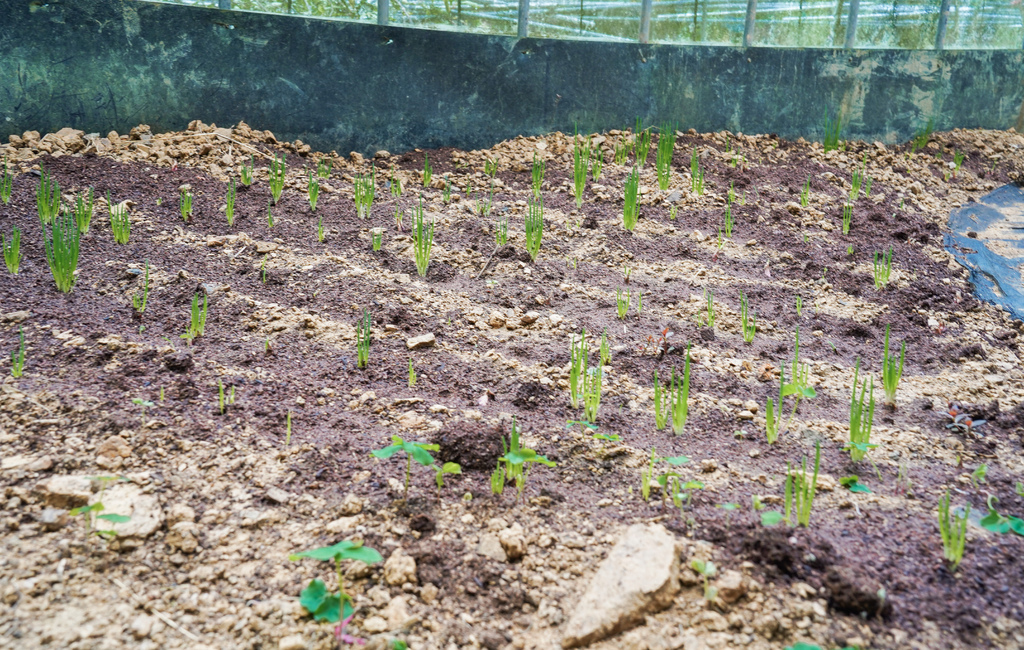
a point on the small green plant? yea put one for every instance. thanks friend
(229, 204)
(377, 238)
(315, 598)
(578, 361)
(1019, 489)
(364, 187)
(853, 484)
(649, 478)
(6, 184)
(860, 419)
(799, 306)
(958, 160)
(921, 137)
(320, 233)
(275, 175)
(643, 144)
(18, 356)
(440, 471)
(596, 163)
(867, 186)
(592, 380)
(672, 212)
(363, 339)
(313, 191)
(773, 414)
(516, 460)
(324, 166)
(978, 475)
(412, 374)
(197, 325)
(491, 168)
(730, 198)
(799, 385)
(805, 194)
(501, 230)
(847, 218)
(857, 180)
(882, 270)
(48, 198)
(661, 404)
(287, 428)
(61, 238)
(90, 512)
(245, 174)
(605, 350)
(953, 528)
(707, 571)
(663, 159)
(428, 171)
(418, 451)
(728, 222)
(622, 303)
(580, 164)
(621, 152)
(538, 174)
(709, 314)
(263, 269)
(224, 398)
(395, 183)
(696, 175)
(446, 193)
(12, 250)
(679, 396)
(143, 405)
(800, 491)
(270, 216)
(485, 202)
(748, 322)
(832, 132)
(83, 211)
(630, 208)
(534, 226)
(139, 302)
(423, 236)
(892, 369)
(185, 203)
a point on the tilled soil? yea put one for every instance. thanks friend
(229, 494)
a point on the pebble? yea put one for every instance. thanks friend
(292, 642)
(422, 341)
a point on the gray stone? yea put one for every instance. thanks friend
(490, 546)
(422, 341)
(66, 491)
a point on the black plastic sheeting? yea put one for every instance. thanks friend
(995, 276)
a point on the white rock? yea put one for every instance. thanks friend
(375, 625)
(396, 613)
(66, 491)
(731, 586)
(529, 318)
(513, 540)
(490, 546)
(351, 505)
(141, 626)
(293, 642)
(422, 341)
(128, 499)
(400, 568)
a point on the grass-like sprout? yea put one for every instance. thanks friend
(501, 230)
(363, 339)
(958, 160)
(399, 215)
(596, 163)
(313, 191)
(953, 528)
(185, 203)
(320, 234)
(120, 225)
(324, 166)
(630, 207)
(621, 152)
(287, 426)
(580, 163)
(663, 159)
(139, 302)
(446, 193)
(423, 234)
(748, 321)
(578, 360)
(847, 218)
(7, 183)
(12, 250)
(61, 238)
(661, 406)
(892, 369)
(412, 374)
(484, 205)
(882, 270)
(773, 414)
(921, 137)
(696, 175)
(491, 167)
(679, 396)
(800, 491)
(643, 144)
(428, 171)
(48, 199)
(709, 315)
(197, 324)
(799, 306)
(229, 204)
(224, 398)
(592, 380)
(731, 196)
(856, 180)
(538, 174)
(377, 238)
(805, 193)
(395, 183)
(861, 419)
(833, 129)
(270, 215)
(672, 212)
(275, 175)
(516, 459)
(622, 303)
(246, 172)
(364, 187)
(534, 226)
(728, 222)
(605, 351)
(18, 356)
(83, 211)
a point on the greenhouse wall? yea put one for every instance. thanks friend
(346, 85)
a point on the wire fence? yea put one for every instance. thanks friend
(907, 24)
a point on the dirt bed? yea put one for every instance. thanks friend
(219, 497)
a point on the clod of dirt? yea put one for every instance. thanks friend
(972, 351)
(470, 444)
(422, 523)
(852, 593)
(178, 362)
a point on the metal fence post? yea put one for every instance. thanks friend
(748, 26)
(382, 12)
(851, 25)
(645, 20)
(940, 31)
(223, 4)
(524, 18)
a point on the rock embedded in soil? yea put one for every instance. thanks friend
(640, 575)
(65, 491)
(400, 568)
(731, 585)
(144, 510)
(490, 546)
(421, 342)
(852, 593)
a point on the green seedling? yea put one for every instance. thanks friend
(534, 226)
(605, 351)
(709, 314)
(639, 303)
(61, 238)
(728, 222)
(748, 321)
(622, 303)
(1019, 489)
(580, 164)
(263, 269)
(324, 166)
(428, 171)
(661, 406)
(857, 180)
(673, 211)
(90, 512)
(592, 380)
(446, 193)
(892, 369)
(120, 225)
(313, 191)
(363, 339)
(83, 212)
(805, 194)
(440, 471)
(517, 460)
(621, 152)
(229, 204)
(412, 374)
(799, 306)
(224, 398)
(185, 203)
(315, 598)
(491, 168)
(882, 270)
(800, 385)
(423, 236)
(12, 250)
(143, 405)
(377, 238)
(596, 163)
(48, 198)
(998, 523)
(537, 174)
(853, 484)
(288, 429)
(867, 186)
(501, 230)
(270, 215)
(696, 175)
(958, 160)
(320, 233)
(364, 188)
(663, 158)
(626, 272)
(921, 137)
(707, 571)
(245, 174)
(275, 175)
(679, 396)
(861, 419)
(647, 475)
(485, 202)
(773, 414)
(6, 184)
(680, 492)
(643, 144)
(953, 528)
(847, 218)
(630, 206)
(418, 451)
(18, 356)
(197, 325)
(578, 355)
(139, 302)
(800, 491)
(832, 132)
(978, 475)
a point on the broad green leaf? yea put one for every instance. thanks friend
(313, 595)
(808, 392)
(663, 479)
(854, 485)
(862, 446)
(345, 549)
(451, 468)
(693, 485)
(117, 519)
(790, 389)
(363, 554)
(418, 453)
(96, 507)
(803, 646)
(329, 610)
(543, 460)
(386, 452)
(771, 518)
(1016, 525)
(676, 460)
(728, 506)
(995, 522)
(605, 436)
